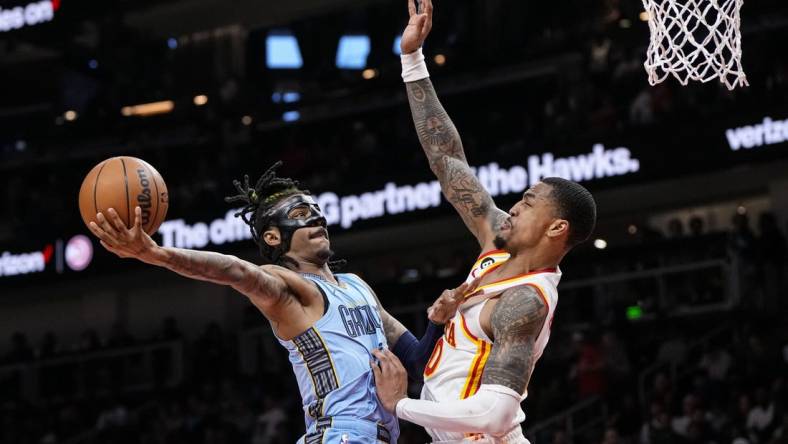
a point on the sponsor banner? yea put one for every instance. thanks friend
(394, 199)
(31, 14)
(77, 254)
(767, 132)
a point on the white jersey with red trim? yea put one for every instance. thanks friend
(454, 371)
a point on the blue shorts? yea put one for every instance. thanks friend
(350, 432)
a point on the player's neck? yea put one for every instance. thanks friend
(322, 270)
(528, 262)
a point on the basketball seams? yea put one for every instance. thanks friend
(108, 188)
(156, 196)
(95, 188)
(126, 180)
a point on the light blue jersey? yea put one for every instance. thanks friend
(331, 362)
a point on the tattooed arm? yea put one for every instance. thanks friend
(253, 281)
(516, 321)
(262, 284)
(442, 145)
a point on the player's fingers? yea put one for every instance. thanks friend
(104, 224)
(425, 26)
(375, 370)
(426, 8)
(394, 361)
(383, 364)
(101, 234)
(107, 229)
(137, 220)
(119, 225)
(385, 360)
(411, 7)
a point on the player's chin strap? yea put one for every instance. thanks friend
(492, 410)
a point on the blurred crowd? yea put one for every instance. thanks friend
(716, 377)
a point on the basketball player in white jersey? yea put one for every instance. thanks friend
(478, 373)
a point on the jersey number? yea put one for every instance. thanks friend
(435, 359)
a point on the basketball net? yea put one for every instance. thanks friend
(695, 40)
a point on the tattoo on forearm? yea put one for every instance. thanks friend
(442, 145)
(436, 131)
(517, 320)
(465, 191)
(225, 270)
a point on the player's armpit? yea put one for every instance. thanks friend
(516, 321)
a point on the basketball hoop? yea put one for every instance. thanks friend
(695, 40)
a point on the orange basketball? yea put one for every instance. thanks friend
(124, 183)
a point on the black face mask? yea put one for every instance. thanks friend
(279, 217)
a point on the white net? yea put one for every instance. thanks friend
(695, 40)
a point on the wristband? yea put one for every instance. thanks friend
(413, 66)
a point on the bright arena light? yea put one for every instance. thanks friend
(644, 16)
(200, 100)
(246, 120)
(369, 73)
(148, 109)
(440, 59)
(70, 115)
(632, 229)
(600, 244)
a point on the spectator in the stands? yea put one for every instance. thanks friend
(761, 416)
(716, 362)
(689, 408)
(269, 421)
(589, 371)
(657, 430)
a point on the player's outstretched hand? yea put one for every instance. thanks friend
(419, 26)
(121, 240)
(391, 379)
(445, 307)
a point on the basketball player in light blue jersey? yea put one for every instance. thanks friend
(330, 323)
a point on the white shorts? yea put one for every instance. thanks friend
(514, 437)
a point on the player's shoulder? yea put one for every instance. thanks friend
(518, 305)
(353, 277)
(277, 270)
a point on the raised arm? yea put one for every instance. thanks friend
(266, 289)
(440, 139)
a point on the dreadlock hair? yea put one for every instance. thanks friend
(575, 204)
(258, 200)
